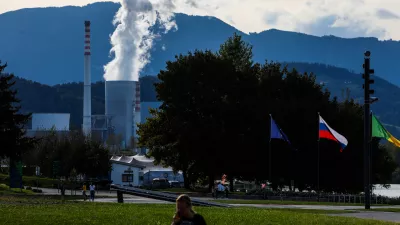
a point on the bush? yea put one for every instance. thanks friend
(4, 187)
(31, 181)
(28, 188)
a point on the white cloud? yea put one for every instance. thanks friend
(346, 18)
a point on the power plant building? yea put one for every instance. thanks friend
(120, 103)
(43, 123)
(50, 121)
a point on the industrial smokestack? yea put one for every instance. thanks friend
(137, 111)
(87, 104)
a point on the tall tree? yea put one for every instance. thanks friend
(12, 122)
(159, 134)
(237, 51)
(12, 130)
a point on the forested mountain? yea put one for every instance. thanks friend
(67, 98)
(46, 44)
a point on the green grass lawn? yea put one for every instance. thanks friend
(278, 202)
(6, 190)
(113, 213)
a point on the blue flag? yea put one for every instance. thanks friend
(277, 133)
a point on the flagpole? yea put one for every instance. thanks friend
(270, 151)
(369, 153)
(318, 157)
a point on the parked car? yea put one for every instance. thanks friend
(159, 183)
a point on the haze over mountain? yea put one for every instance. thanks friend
(46, 44)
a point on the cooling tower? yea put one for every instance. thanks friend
(120, 105)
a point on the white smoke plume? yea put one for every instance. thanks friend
(133, 39)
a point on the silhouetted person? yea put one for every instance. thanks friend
(184, 214)
(92, 188)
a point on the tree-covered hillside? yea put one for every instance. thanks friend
(67, 98)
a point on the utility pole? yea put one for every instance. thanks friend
(367, 128)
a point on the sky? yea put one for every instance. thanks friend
(343, 18)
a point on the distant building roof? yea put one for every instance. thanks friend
(139, 161)
(127, 160)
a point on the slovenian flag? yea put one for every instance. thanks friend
(325, 131)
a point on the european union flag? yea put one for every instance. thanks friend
(277, 133)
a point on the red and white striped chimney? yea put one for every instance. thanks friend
(87, 96)
(87, 37)
(137, 103)
(137, 97)
(137, 109)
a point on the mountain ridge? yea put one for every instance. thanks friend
(46, 44)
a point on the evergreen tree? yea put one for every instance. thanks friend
(12, 122)
(237, 51)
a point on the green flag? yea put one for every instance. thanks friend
(380, 132)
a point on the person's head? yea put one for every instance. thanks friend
(184, 205)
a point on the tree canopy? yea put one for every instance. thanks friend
(72, 152)
(214, 119)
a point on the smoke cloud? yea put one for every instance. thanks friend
(133, 36)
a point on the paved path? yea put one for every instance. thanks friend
(51, 191)
(384, 216)
(321, 207)
(134, 200)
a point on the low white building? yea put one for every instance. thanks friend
(125, 170)
(142, 169)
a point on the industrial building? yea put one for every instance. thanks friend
(122, 104)
(43, 123)
(123, 111)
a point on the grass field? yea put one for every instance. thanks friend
(6, 190)
(103, 213)
(278, 202)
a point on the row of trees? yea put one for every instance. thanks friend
(60, 154)
(215, 120)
